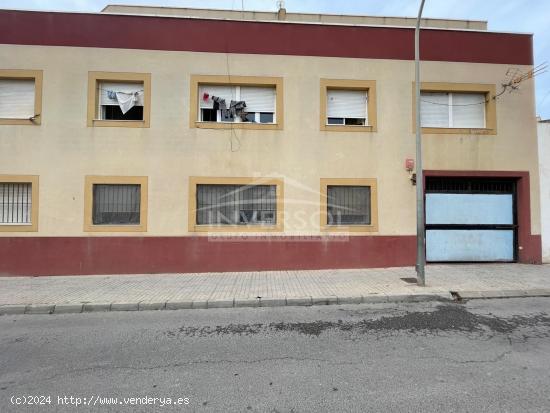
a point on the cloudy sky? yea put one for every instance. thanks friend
(530, 16)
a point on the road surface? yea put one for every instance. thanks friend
(483, 355)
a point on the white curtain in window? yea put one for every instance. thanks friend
(468, 110)
(17, 98)
(258, 99)
(346, 103)
(104, 87)
(206, 92)
(435, 110)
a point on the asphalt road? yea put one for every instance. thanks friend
(484, 355)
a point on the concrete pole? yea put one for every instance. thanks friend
(420, 233)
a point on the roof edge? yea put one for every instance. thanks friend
(288, 12)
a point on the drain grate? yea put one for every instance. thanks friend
(410, 280)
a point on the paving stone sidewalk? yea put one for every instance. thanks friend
(64, 294)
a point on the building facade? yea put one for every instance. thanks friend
(544, 165)
(148, 143)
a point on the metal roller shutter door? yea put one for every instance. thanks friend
(470, 220)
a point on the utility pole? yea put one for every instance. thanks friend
(420, 233)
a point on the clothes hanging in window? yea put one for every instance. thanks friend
(219, 103)
(126, 101)
(237, 108)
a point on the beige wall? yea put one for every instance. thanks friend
(63, 150)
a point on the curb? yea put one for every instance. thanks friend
(73, 308)
(472, 295)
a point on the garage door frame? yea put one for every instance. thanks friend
(476, 185)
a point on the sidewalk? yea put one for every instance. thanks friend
(69, 294)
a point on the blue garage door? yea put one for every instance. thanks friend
(470, 220)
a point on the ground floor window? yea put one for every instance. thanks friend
(349, 204)
(116, 203)
(15, 203)
(236, 203)
(18, 203)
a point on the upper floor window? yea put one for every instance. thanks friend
(452, 110)
(119, 99)
(348, 105)
(459, 108)
(236, 102)
(20, 97)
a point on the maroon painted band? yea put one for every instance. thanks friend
(269, 38)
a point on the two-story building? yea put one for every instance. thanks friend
(147, 140)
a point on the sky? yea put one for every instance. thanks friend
(526, 16)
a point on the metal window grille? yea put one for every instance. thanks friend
(469, 185)
(348, 205)
(236, 204)
(116, 204)
(15, 203)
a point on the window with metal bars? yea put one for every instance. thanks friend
(225, 204)
(15, 203)
(348, 205)
(116, 204)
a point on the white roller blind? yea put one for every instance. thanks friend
(225, 92)
(468, 110)
(17, 98)
(104, 87)
(434, 110)
(346, 104)
(258, 99)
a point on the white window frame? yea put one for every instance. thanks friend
(102, 109)
(35, 75)
(237, 98)
(344, 119)
(450, 111)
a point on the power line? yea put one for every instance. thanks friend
(447, 104)
(516, 77)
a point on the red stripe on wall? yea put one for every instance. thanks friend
(141, 255)
(24, 255)
(226, 36)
